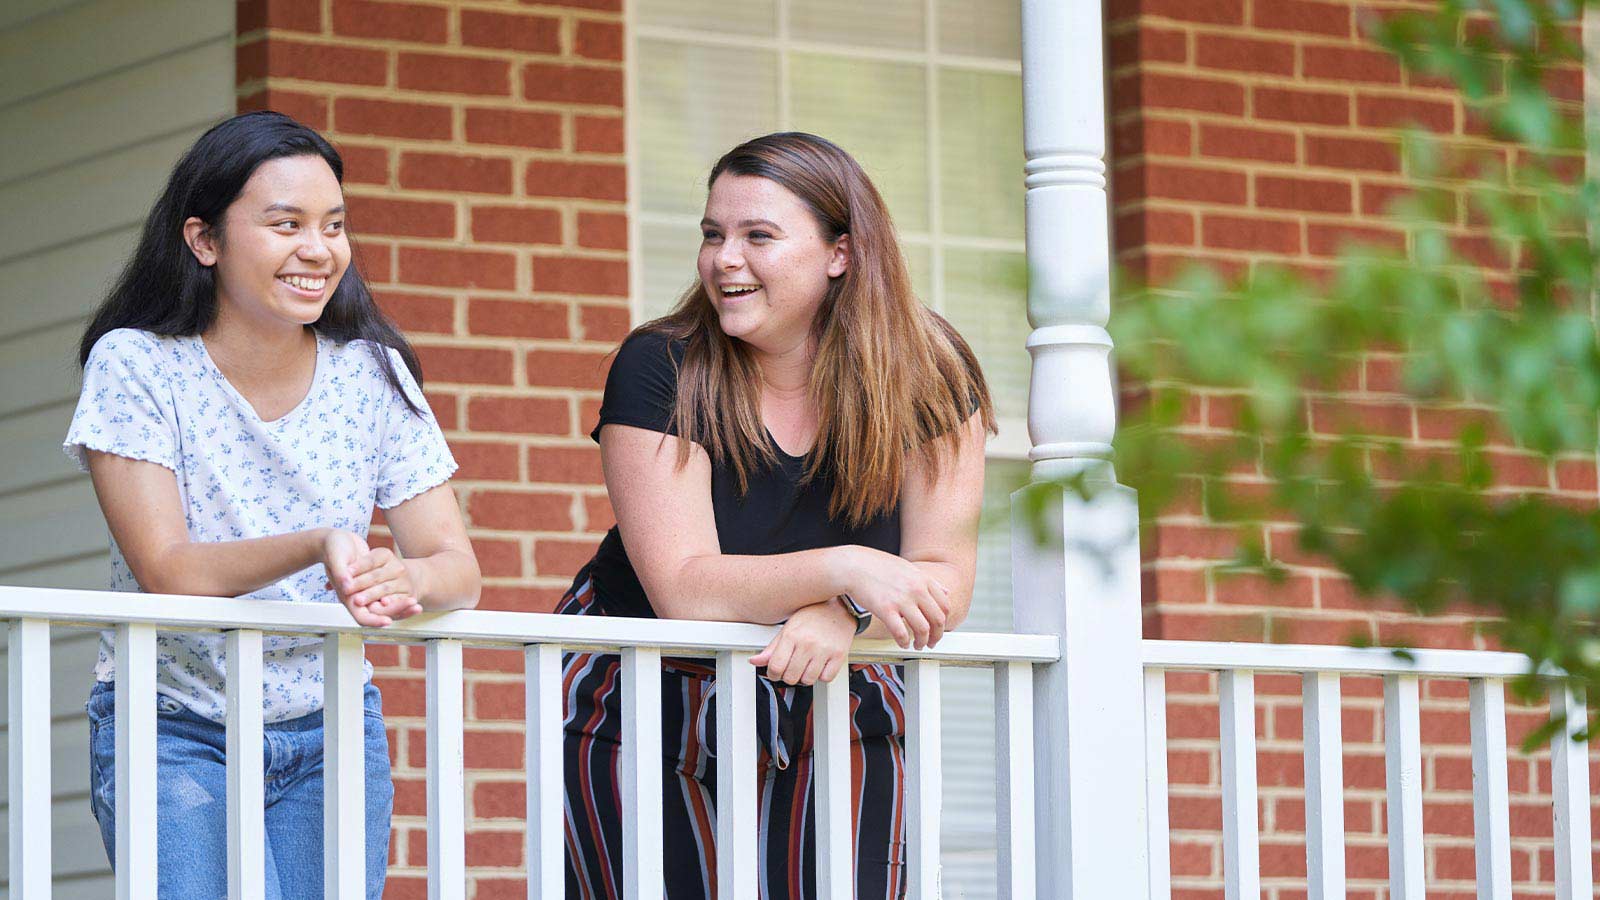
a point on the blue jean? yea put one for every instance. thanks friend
(192, 805)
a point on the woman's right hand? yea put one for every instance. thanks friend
(912, 604)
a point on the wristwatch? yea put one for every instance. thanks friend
(862, 614)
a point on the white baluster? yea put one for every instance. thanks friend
(1241, 837)
(1569, 768)
(1014, 788)
(738, 852)
(246, 815)
(1491, 809)
(447, 827)
(28, 748)
(546, 787)
(923, 777)
(1155, 775)
(344, 789)
(136, 762)
(642, 869)
(1324, 758)
(1402, 739)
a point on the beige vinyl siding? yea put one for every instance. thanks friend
(98, 98)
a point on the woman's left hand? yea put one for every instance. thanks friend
(811, 646)
(381, 582)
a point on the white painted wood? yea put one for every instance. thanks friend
(246, 787)
(1302, 658)
(1082, 584)
(1158, 830)
(344, 789)
(49, 522)
(75, 276)
(447, 772)
(1491, 811)
(1241, 836)
(830, 712)
(1323, 730)
(136, 762)
(689, 637)
(546, 789)
(1014, 788)
(28, 757)
(1402, 739)
(126, 181)
(80, 62)
(48, 127)
(642, 864)
(924, 772)
(1569, 767)
(738, 854)
(1069, 286)
(90, 39)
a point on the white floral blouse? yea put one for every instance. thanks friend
(350, 445)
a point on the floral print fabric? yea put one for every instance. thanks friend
(350, 445)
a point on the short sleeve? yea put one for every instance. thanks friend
(126, 406)
(642, 386)
(414, 456)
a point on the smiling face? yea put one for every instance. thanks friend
(765, 262)
(282, 248)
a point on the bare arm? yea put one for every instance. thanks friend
(438, 571)
(667, 522)
(142, 508)
(939, 518)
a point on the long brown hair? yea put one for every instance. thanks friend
(890, 376)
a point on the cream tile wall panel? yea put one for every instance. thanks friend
(49, 523)
(95, 39)
(39, 368)
(30, 444)
(108, 192)
(86, 120)
(64, 283)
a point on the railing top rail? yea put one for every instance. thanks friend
(1218, 655)
(686, 637)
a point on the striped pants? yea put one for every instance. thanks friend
(593, 708)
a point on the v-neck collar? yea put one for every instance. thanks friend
(316, 380)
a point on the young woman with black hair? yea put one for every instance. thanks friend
(245, 405)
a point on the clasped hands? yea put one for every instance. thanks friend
(813, 643)
(374, 584)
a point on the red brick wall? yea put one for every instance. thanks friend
(485, 178)
(1247, 132)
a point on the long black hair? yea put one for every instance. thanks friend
(164, 290)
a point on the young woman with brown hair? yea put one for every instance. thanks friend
(800, 442)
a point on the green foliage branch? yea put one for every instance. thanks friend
(1516, 356)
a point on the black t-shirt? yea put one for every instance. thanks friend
(777, 515)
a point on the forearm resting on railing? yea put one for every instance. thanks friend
(226, 568)
(761, 589)
(446, 580)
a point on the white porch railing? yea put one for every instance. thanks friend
(1321, 668)
(30, 614)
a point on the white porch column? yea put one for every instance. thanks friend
(1082, 582)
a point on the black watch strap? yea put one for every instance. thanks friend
(862, 614)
